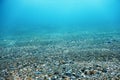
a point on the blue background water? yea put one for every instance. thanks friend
(42, 16)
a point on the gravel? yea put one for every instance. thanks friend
(68, 57)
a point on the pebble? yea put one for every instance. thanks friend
(67, 78)
(104, 70)
(83, 69)
(29, 78)
(56, 73)
(68, 74)
(37, 72)
(83, 75)
(92, 72)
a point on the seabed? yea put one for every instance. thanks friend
(73, 56)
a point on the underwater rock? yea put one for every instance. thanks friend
(68, 74)
(37, 72)
(108, 42)
(92, 72)
(65, 77)
(86, 72)
(56, 73)
(104, 70)
(83, 75)
(29, 78)
(83, 69)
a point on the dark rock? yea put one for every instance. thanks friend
(83, 69)
(64, 68)
(68, 74)
(53, 79)
(109, 42)
(71, 62)
(104, 70)
(56, 73)
(64, 76)
(97, 66)
(90, 68)
(73, 74)
(118, 75)
(35, 66)
(77, 76)
(86, 73)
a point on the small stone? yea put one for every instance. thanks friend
(36, 77)
(68, 74)
(64, 68)
(62, 62)
(83, 75)
(37, 72)
(50, 75)
(113, 73)
(73, 74)
(86, 72)
(17, 78)
(53, 78)
(56, 73)
(63, 76)
(109, 42)
(73, 77)
(104, 70)
(92, 72)
(97, 65)
(67, 78)
(29, 78)
(83, 69)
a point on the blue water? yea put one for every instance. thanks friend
(20, 17)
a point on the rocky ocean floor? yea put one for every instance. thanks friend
(83, 56)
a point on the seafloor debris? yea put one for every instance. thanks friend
(69, 58)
